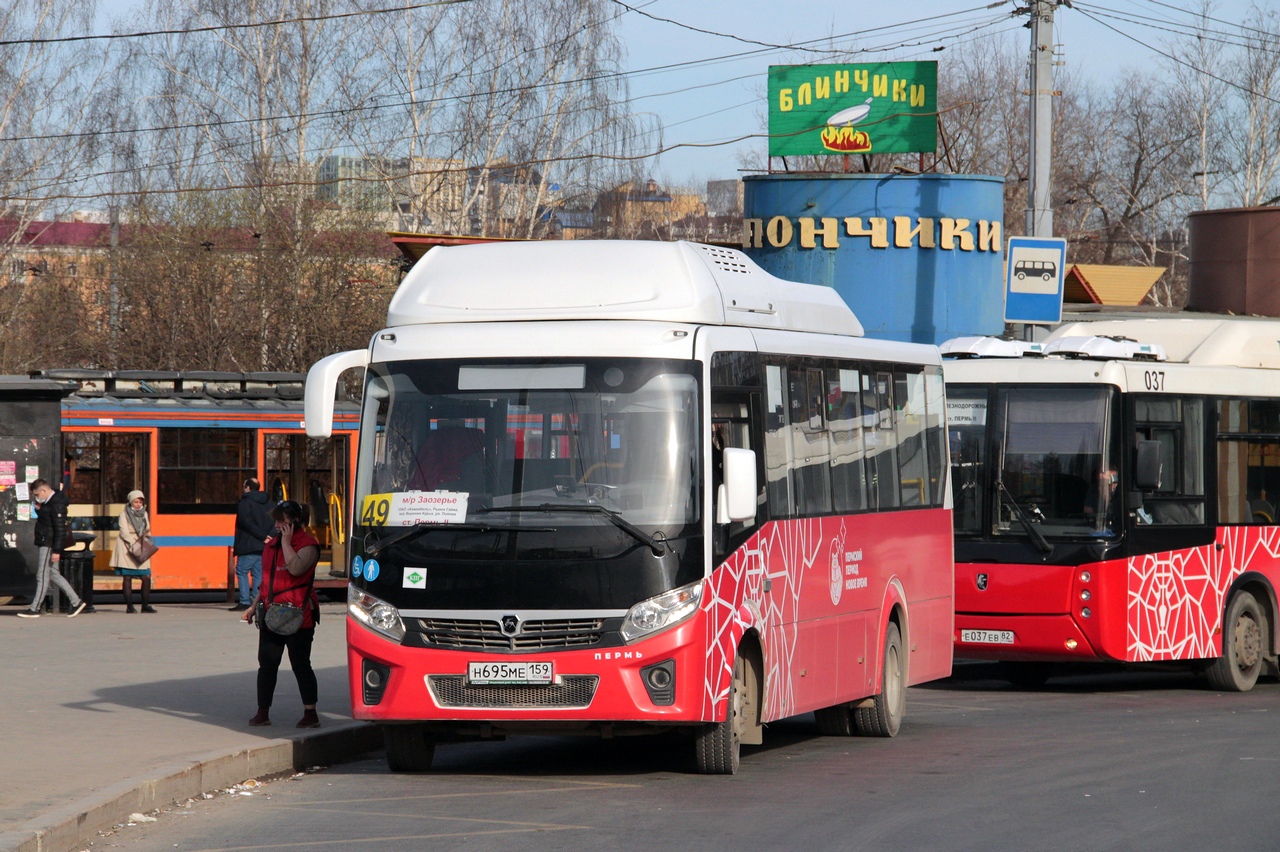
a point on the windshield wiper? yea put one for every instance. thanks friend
(656, 543)
(1032, 530)
(422, 526)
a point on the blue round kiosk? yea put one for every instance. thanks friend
(918, 257)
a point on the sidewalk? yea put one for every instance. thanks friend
(107, 714)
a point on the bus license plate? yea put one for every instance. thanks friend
(507, 674)
(986, 637)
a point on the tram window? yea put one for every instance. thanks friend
(201, 471)
(84, 466)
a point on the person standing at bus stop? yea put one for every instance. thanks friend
(134, 524)
(288, 572)
(253, 527)
(51, 535)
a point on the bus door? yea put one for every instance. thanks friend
(315, 472)
(99, 470)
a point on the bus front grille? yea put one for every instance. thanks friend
(485, 635)
(574, 691)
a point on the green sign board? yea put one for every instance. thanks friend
(880, 108)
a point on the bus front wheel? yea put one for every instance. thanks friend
(410, 748)
(1244, 633)
(884, 716)
(719, 745)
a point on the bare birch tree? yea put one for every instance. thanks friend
(46, 89)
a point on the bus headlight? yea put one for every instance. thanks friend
(661, 612)
(374, 613)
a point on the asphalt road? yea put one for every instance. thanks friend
(1105, 761)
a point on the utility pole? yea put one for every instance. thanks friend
(1040, 154)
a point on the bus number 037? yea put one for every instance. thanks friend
(1153, 379)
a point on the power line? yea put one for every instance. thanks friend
(221, 27)
(219, 153)
(1180, 61)
(1185, 11)
(802, 45)
(1191, 31)
(316, 114)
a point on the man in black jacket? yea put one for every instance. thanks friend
(51, 533)
(253, 527)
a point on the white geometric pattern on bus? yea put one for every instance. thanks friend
(1177, 598)
(735, 601)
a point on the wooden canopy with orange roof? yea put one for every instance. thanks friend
(1099, 284)
(414, 246)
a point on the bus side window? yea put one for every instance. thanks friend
(1248, 461)
(878, 406)
(1177, 424)
(777, 445)
(848, 468)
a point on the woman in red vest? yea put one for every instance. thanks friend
(288, 572)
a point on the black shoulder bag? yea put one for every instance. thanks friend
(282, 619)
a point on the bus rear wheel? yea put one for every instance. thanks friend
(719, 745)
(884, 716)
(410, 748)
(1244, 633)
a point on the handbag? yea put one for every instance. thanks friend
(142, 549)
(283, 619)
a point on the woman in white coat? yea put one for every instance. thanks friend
(134, 524)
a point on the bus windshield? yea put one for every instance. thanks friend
(557, 464)
(1054, 462)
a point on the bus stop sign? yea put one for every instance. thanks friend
(1034, 271)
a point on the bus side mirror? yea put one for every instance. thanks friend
(1146, 467)
(739, 487)
(322, 387)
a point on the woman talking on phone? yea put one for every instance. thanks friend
(288, 572)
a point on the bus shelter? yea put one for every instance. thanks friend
(30, 449)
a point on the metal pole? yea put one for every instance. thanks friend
(1040, 155)
(113, 284)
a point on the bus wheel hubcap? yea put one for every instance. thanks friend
(1248, 643)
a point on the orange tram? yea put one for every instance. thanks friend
(188, 440)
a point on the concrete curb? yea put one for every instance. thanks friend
(75, 825)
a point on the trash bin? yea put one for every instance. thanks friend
(76, 566)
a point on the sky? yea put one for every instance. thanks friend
(708, 88)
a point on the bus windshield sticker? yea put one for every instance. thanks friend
(967, 412)
(415, 578)
(523, 377)
(409, 508)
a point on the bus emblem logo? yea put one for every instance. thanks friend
(510, 625)
(982, 582)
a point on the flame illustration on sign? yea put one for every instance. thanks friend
(840, 134)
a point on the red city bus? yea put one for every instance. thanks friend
(1115, 489)
(189, 440)
(625, 487)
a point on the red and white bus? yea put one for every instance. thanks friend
(1115, 489)
(625, 487)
